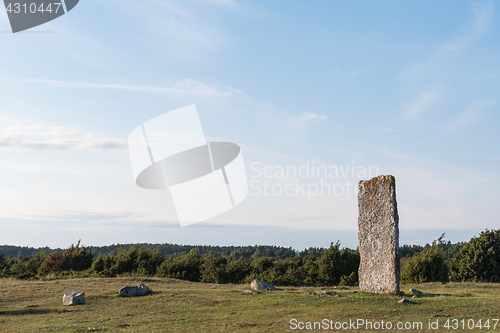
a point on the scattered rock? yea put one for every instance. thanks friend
(74, 297)
(414, 291)
(354, 292)
(251, 292)
(329, 292)
(139, 290)
(404, 301)
(414, 296)
(402, 293)
(261, 285)
(311, 293)
(322, 295)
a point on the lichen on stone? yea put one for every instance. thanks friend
(378, 234)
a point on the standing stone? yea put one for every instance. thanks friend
(74, 297)
(378, 235)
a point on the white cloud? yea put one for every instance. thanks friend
(425, 101)
(185, 86)
(38, 138)
(303, 121)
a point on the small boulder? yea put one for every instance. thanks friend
(311, 293)
(404, 301)
(261, 285)
(414, 291)
(139, 290)
(329, 292)
(73, 297)
(250, 292)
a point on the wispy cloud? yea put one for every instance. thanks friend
(483, 21)
(185, 86)
(470, 116)
(480, 162)
(447, 65)
(3, 18)
(425, 101)
(303, 121)
(175, 27)
(309, 218)
(38, 138)
(439, 59)
(87, 216)
(230, 3)
(465, 118)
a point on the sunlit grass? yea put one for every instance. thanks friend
(180, 306)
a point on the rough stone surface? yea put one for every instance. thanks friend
(251, 292)
(404, 301)
(261, 285)
(73, 297)
(139, 290)
(414, 291)
(378, 235)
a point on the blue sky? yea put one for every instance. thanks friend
(407, 88)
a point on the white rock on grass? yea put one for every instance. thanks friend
(261, 285)
(139, 290)
(73, 297)
(250, 292)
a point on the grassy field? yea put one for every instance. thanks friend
(180, 306)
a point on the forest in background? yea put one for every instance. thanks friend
(476, 260)
(257, 251)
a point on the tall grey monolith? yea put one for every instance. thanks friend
(378, 235)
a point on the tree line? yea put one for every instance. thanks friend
(333, 266)
(173, 250)
(476, 260)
